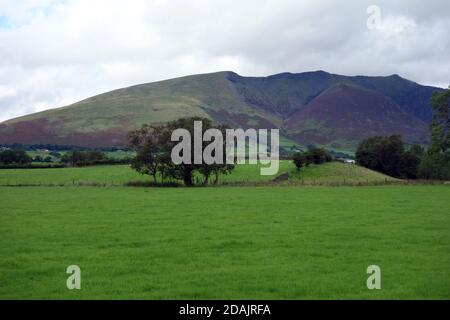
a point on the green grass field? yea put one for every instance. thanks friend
(121, 174)
(337, 172)
(67, 176)
(240, 243)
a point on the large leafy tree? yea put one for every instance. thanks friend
(440, 125)
(153, 148)
(146, 141)
(435, 164)
(388, 155)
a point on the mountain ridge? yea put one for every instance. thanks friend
(275, 101)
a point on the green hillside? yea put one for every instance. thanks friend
(113, 113)
(338, 172)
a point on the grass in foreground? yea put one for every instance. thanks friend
(223, 243)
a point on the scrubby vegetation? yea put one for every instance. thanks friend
(313, 155)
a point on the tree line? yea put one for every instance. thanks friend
(20, 159)
(90, 158)
(391, 156)
(313, 155)
(59, 147)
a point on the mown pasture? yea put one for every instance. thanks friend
(225, 242)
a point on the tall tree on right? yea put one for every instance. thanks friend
(440, 125)
(435, 164)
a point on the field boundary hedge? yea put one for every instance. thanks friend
(32, 166)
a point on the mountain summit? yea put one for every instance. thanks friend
(310, 108)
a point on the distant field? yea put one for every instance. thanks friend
(114, 175)
(337, 172)
(222, 243)
(120, 174)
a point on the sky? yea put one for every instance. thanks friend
(56, 52)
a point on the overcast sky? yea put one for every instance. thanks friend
(54, 52)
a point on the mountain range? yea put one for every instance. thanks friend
(317, 107)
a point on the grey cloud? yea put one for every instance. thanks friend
(69, 50)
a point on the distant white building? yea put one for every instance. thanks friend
(351, 161)
(345, 160)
